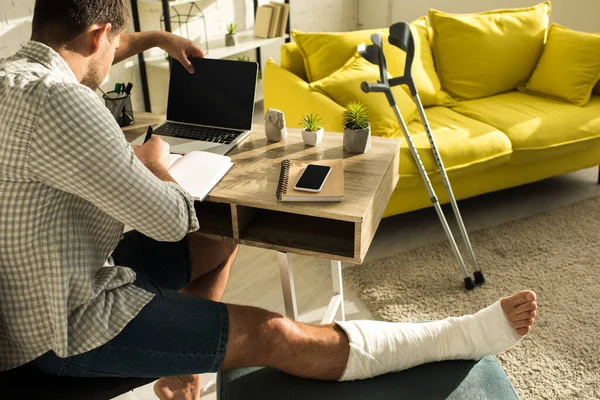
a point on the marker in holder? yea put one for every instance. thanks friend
(119, 105)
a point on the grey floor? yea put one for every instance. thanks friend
(255, 277)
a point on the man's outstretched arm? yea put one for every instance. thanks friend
(180, 48)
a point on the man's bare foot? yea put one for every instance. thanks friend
(185, 387)
(520, 309)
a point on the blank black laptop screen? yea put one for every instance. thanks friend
(219, 93)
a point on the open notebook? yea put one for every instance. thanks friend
(199, 171)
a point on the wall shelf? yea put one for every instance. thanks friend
(246, 42)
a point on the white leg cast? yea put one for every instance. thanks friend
(287, 285)
(337, 299)
(380, 347)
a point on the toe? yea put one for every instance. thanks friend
(523, 323)
(523, 331)
(531, 296)
(524, 315)
(526, 307)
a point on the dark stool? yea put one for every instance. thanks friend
(30, 383)
(448, 380)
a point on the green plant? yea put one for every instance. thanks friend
(231, 28)
(311, 122)
(356, 116)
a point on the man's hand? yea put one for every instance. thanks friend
(154, 154)
(180, 48)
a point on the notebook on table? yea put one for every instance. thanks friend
(198, 172)
(333, 189)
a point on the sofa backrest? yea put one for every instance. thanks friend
(292, 60)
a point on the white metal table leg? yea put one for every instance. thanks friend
(337, 300)
(287, 285)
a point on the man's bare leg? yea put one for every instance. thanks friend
(261, 338)
(211, 263)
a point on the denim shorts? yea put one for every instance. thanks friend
(174, 334)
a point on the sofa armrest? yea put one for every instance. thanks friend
(286, 92)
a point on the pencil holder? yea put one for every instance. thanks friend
(119, 105)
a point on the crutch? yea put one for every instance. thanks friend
(401, 36)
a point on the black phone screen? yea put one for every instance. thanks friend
(313, 176)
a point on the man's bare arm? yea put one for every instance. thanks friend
(180, 48)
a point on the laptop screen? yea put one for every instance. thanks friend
(219, 93)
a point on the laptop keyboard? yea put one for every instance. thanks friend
(206, 134)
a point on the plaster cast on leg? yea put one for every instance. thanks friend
(380, 347)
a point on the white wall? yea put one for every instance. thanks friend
(581, 15)
(306, 15)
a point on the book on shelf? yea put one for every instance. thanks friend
(333, 189)
(198, 172)
(271, 20)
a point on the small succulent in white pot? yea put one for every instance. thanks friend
(230, 39)
(313, 132)
(357, 128)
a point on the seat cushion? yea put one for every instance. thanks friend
(324, 53)
(538, 127)
(466, 145)
(343, 86)
(450, 380)
(479, 55)
(569, 67)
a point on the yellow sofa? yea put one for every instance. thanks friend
(487, 144)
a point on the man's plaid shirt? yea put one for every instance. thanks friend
(69, 182)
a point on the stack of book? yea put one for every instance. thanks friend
(271, 20)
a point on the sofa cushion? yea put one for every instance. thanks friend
(292, 60)
(538, 127)
(464, 144)
(479, 55)
(343, 86)
(569, 67)
(423, 68)
(325, 53)
(597, 89)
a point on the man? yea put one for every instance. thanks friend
(79, 299)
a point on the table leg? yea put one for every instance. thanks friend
(287, 285)
(337, 300)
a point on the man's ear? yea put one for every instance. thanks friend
(99, 34)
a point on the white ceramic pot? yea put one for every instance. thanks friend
(313, 138)
(358, 142)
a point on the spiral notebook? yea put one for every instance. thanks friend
(333, 189)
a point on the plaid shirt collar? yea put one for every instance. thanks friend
(49, 58)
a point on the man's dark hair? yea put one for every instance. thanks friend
(58, 22)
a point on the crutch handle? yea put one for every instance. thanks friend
(374, 87)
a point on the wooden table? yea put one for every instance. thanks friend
(243, 207)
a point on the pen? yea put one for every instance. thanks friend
(128, 88)
(148, 134)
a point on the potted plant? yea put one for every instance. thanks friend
(230, 37)
(357, 128)
(313, 132)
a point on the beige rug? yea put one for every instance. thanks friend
(555, 253)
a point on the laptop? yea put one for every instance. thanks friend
(211, 109)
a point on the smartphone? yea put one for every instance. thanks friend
(313, 178)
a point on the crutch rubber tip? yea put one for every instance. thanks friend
(479, 278)
(469, 285)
